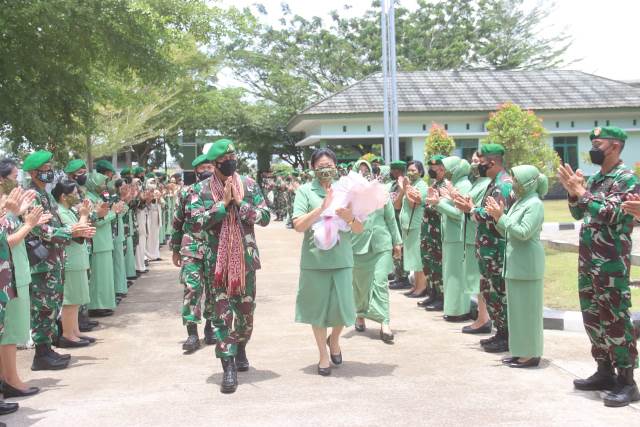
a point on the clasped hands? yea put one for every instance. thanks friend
(230, 193)
(573, 182)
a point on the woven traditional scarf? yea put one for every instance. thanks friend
(230, 265)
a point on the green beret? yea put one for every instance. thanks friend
(202, 158)
(125, 171)
(492, 149)
(150, 175)
(342, 165)
(399, 165)
(75, 165)
(137, 170)
(220, 148)
(36, 160)
(436, 160)
(608, 132)
(104, 165)
(378, 159)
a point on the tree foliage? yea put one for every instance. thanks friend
(524, 138)
(438, 142)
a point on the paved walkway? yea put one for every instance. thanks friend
(433, 375)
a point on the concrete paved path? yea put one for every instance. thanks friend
(433, 375)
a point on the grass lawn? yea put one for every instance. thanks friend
(561, 281)
(557, 211)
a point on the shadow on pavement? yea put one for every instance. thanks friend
(355, 369)
(251, 377)
(26, 416)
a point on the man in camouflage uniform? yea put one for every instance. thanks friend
(188, 242)
(228, 208)
(292, 186)
(431, 244)
(604, 265)
(280, 198)
(47, 273)
(400, 277)
(490, 245)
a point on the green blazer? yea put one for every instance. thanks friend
(405, 212)
(521, 226)
(103, 239)
(309, 197)
(380, 232)
(452, 217)
(76, 254)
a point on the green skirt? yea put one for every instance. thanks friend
(325, 298)
(471, 270)
(101, 288)
(525, 305)
(412, 257)
(130, 258)
(76, 287)
(119, 268)
(456, 301)
(17, 319)
(370, 285)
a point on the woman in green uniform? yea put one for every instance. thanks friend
(101, 284)
(119, 266)
(456, 301)
(325, 294)
(17, 312)
(372, 263)
(76, 281)
(524, 264)
(412, 193)
(482, 324)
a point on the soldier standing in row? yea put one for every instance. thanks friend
(604, 264)
(188, 243)
(490, 244)
(400, 276)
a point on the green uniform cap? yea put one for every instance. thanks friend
(137, 170)
(75, 165)
(202, 158)
(399, 165)
(492, 149)
(342, 165)
(150, 175)
(104, 165)
(36, 160)
(220, 148)
(608, 132)
(125, 171)
(436, 160)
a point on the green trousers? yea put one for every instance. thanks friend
(119, 268)
(525, 305)
(456, 301)
(370, 289)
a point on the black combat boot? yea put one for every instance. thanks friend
(437, 304)
(429, 300)
(499, 345)
(209, 335)
(193, 341)
(625, 390)
(229, 376)
(242, 363)
(45, 361)
(603, 379)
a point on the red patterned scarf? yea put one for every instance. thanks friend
(230, 264)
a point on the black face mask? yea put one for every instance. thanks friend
(46, 176)
(597, 156)
(432, 174)
(128, 179)
(482, 169)
(204, 175)
(228, 167)
(81, 179)
(376, 170)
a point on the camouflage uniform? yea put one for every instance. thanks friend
(604, 266)
(47, 277)
(209, 214)
(280, 199)
(291, 195)
(490, 250)
(431, 244)
(189, 240)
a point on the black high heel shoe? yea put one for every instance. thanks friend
(10, 391)
(335, 358)
(325, 372)
(531, 363)
(420, 295)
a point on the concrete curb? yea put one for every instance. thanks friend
(572, 320)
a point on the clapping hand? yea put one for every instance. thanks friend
(433, 197)
(27, 200)
(228, 192)
(345, 214)
(45, 218)
(12, 202)
(102, 210)
(631, 205)
(32, 218)
(494, 208)
(464, 203)
(85, 208)
(328, 199)
(573, 182)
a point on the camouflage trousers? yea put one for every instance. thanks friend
(605, 302)
(46, 300)
(233, 316)
(192, 278)
(432, 265)
(494, 292)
